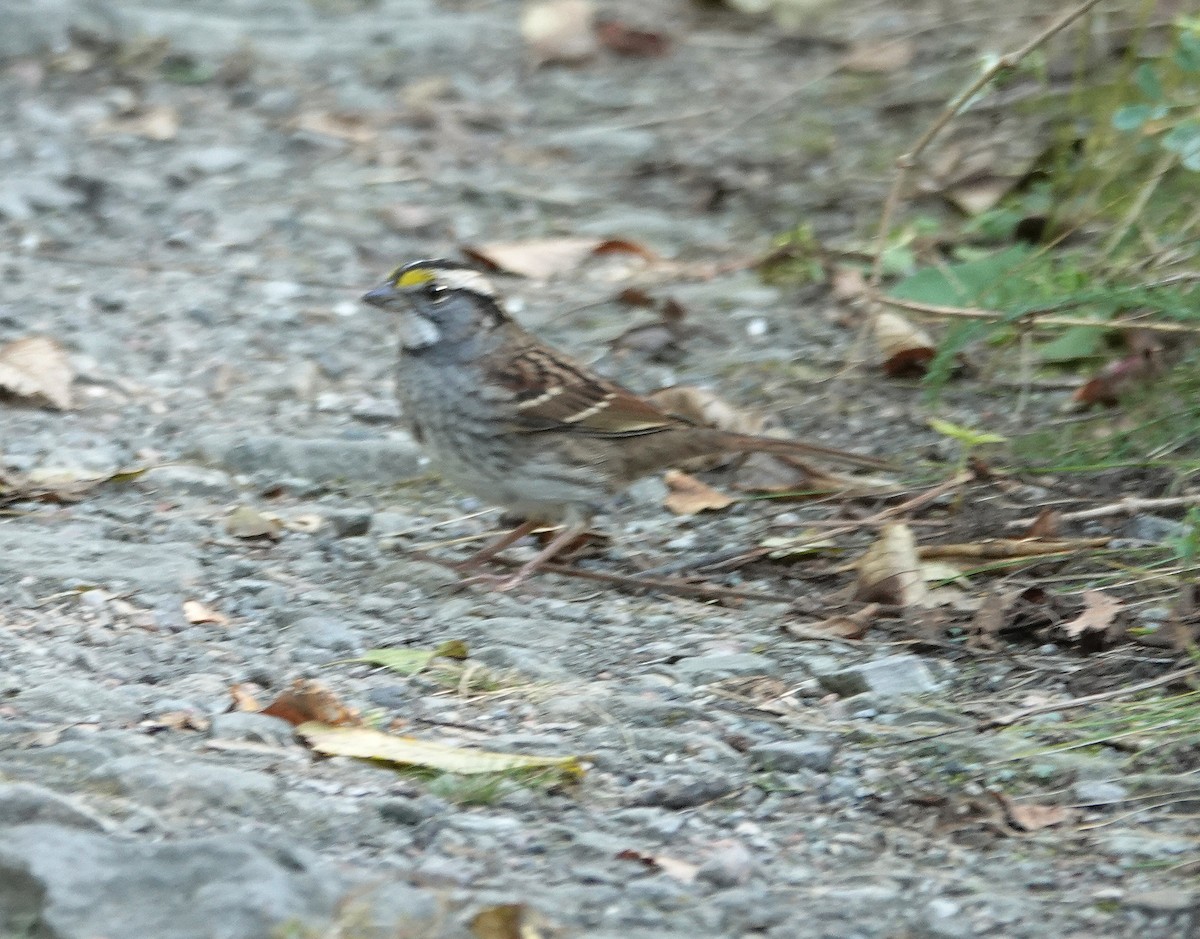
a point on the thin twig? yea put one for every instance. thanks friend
(654, 585)
(1041, 319)
(906, 162)
(1127, 506)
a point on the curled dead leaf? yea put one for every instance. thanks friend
(308, 700)
(688, 495)
(37, 369)
(890, 571)
(905, 349)
(1118, 378)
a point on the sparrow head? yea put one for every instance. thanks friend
(439, 301)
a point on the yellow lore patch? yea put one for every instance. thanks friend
(414, 277)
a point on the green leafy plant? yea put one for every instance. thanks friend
(1167, 109)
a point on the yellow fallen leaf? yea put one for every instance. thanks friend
(507, 921)
(368, 744)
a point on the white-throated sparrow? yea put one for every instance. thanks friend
(524, 426)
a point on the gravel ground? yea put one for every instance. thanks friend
(740, 782)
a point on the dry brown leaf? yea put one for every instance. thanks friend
(544, 258)
(849, 626)
(847, 283)
(1046, 526)
(37, 368)
(244, 698)
(245, 522)
(688, 495)
(196, 612)
(890, 572)
(559, 30)
(152, 122)
(1118, 378)
(976, 196)
(307, 701)
(1030, 817)
(683, 871)
(703, 407)
(879, 57)
(623, 39)
(906, 350)
(1099, 614)
(337, 125)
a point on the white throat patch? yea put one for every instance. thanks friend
(417, 332)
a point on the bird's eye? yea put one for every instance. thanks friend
(437, 289)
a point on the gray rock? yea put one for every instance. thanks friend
(185, 786)
(79, 885)
(349, 523)
(213, 160)
(683, 792)
(1164, 900)
(25, 804)
(894, 676)
(76, 554)
(328, 633)
(183, 480)
(388, 911)
(1153, 528)
(80, 700)
(529, 663)
(258, 728)
(407, 811)
(326, 460)
(706, 668)
(1095, 792)
(944, 919)
(791, 756)
(729, 865)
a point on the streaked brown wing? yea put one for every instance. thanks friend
(555, 393)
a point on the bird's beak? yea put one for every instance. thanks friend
(382, 296)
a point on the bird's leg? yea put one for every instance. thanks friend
(560, 541)
(493, 548)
